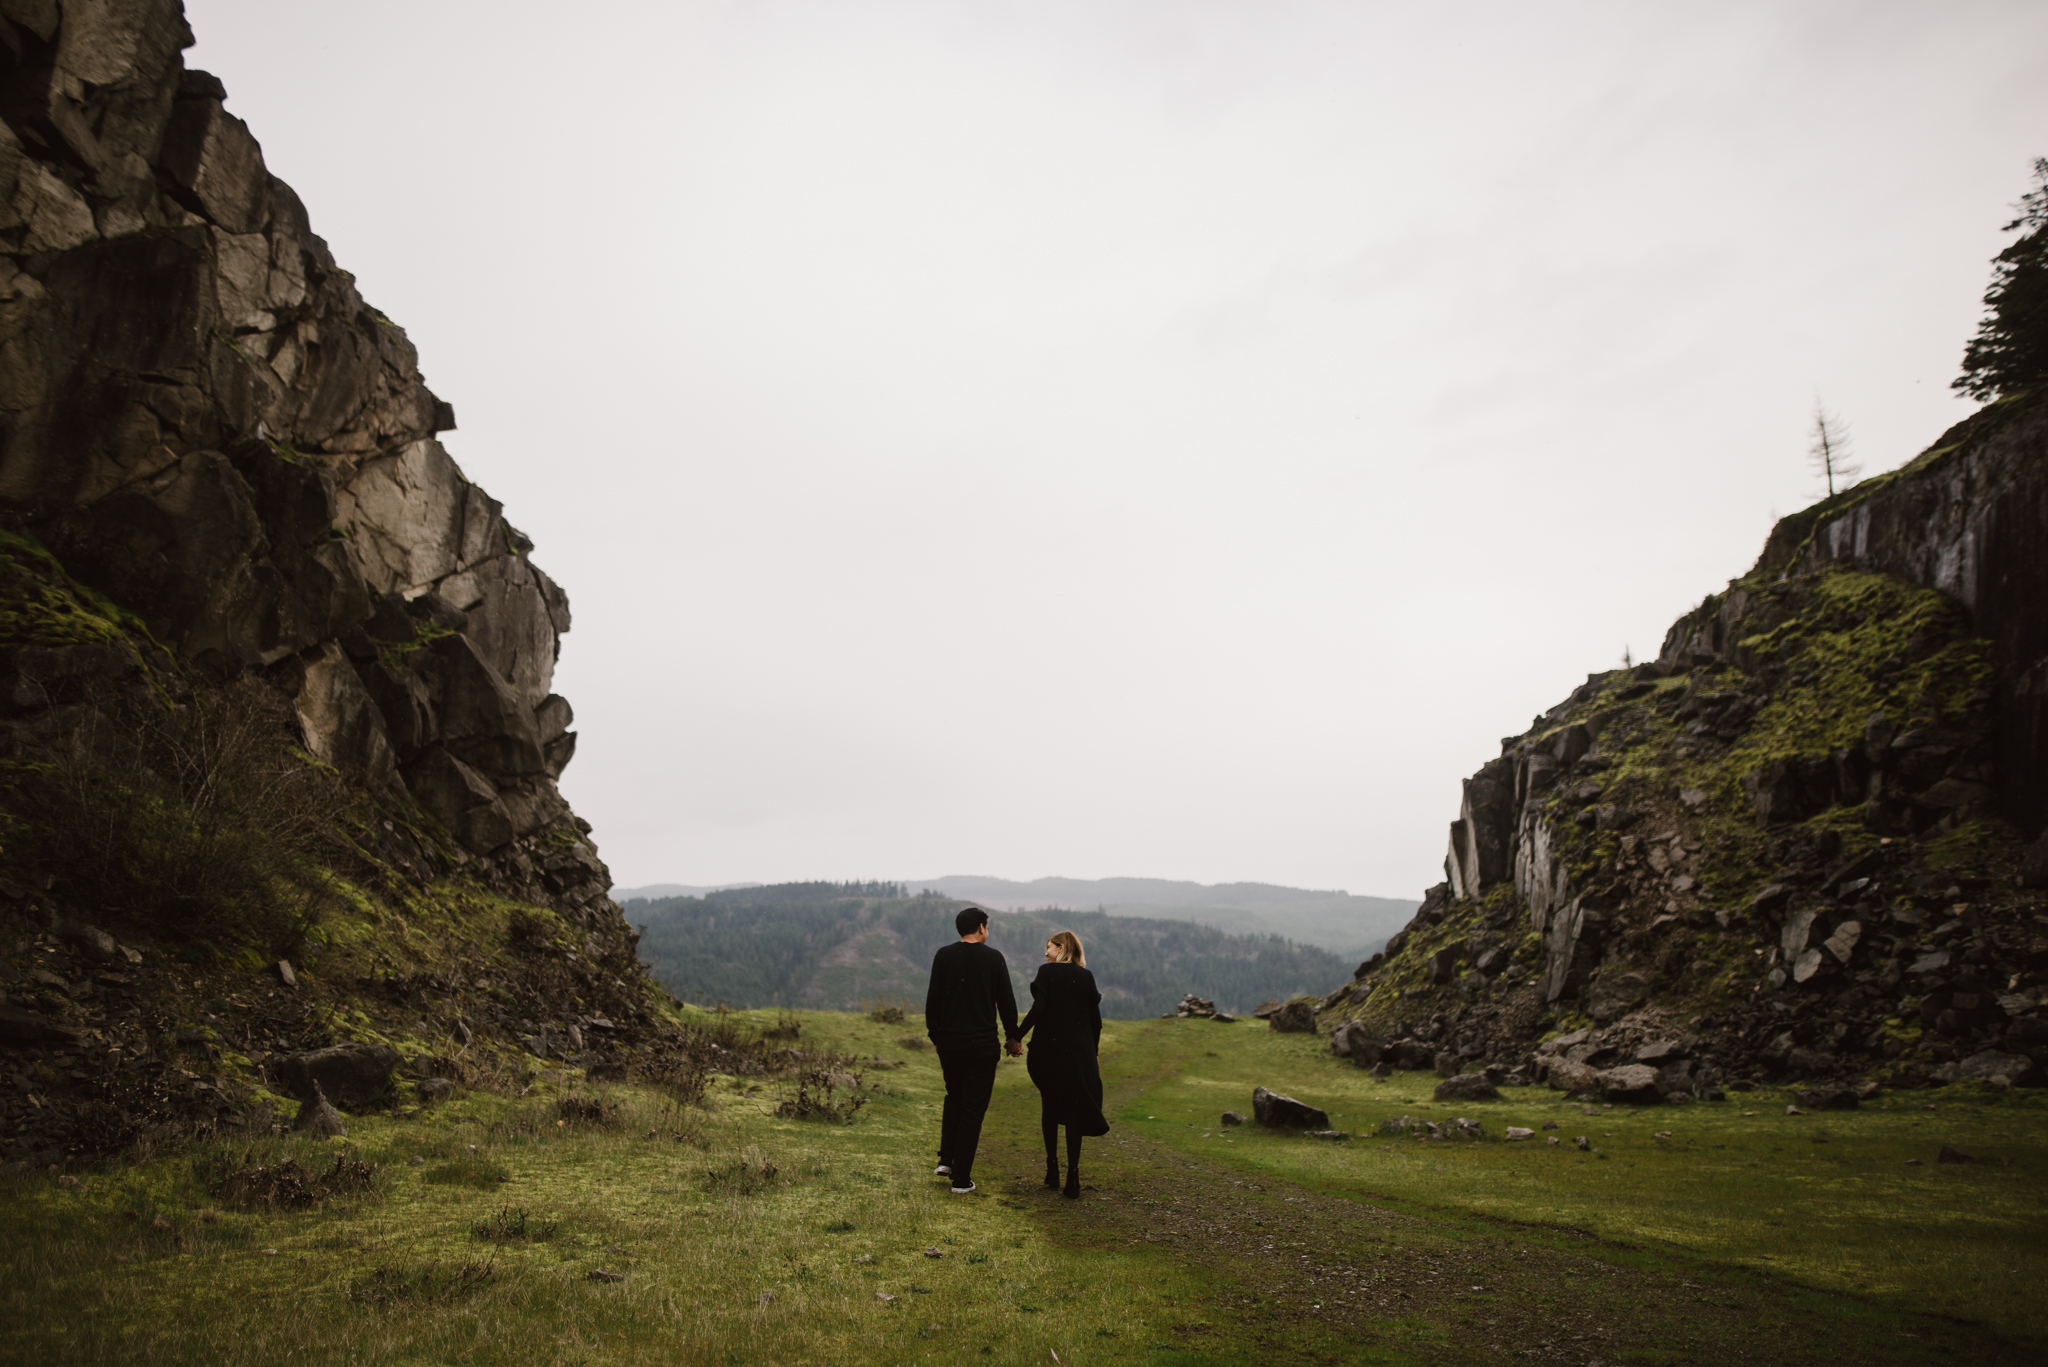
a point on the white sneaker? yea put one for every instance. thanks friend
(942, 1171)
(967, 1190)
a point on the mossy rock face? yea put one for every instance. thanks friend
(41, 605)
(1825, 779)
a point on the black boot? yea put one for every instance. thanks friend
(1072, 1190)
(1052, 1173)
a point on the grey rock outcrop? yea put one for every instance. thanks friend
(1777, 837)
(204, 422)
(1467, 1087)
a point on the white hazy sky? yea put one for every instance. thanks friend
(1173, 439)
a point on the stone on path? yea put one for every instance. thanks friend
(1284, 1112)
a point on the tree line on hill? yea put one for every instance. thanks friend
(843, 946)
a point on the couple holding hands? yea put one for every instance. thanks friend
(970, 990)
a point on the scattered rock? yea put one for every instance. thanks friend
(1296, 1018)
(1284, 1112)
(1793, 1110)
(1553, 1141)
(1583, 1144)
(884, 1296)
(434, 1088)
(1467, 1087)
(352, 1074)
(1233, 1118)
(1550, 1124)
(285, 974)
(1191, 1005)
(934, 1252)
(1632, 1084)
(1568, 1075)
(1267, 1007)
(1518, 1132)
(319, 1117)
(1324, 1134)
(1356, 1041)
(1951, 1154)
(598, 1274)
(1828, 1099)
(2017, 1069)
(91, 941)
(1224, 1018)
(865, 1258)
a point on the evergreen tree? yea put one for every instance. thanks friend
(1829, 453)
(2010, 351)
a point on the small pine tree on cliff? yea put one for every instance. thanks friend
(2010, 351)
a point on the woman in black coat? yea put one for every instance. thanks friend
(1065, 1025)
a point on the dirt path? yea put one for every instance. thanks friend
(1312, 1276)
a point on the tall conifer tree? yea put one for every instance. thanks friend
(2010, 351)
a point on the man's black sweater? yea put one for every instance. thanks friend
(970, 985)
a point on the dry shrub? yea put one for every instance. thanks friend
(749, 1174)
(424, 1284)
(883, 1011)
(786, 1026)
(815, 1099)
(587, 1110)
(200, 820)
(286, 1185)
(913, 1042)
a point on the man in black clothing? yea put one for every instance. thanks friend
(970, 988)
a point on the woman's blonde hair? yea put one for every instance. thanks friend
(1070, 948)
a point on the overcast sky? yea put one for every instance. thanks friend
(1169, 439)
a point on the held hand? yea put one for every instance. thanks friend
(1016, 1048)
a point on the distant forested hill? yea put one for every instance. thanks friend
(1349, 926)
(839, 946)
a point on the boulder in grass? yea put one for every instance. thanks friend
(1267, 1007)
(350, 1074)
(1408, 1054)
(1285, 1113)
(2017, 1069)
(1467, 1087)
(1828, 1099)
(318, 1118)
(1233, 1118)
(1356, 1041)
(1568, 1075)
(1632, 1084)
(1295, 1018)
(1521, 1132)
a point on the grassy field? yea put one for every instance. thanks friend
(506, 1229)
(1826, 1199)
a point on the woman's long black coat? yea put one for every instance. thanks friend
(1065, 1025)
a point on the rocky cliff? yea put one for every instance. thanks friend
(1793, 847)
(224, 497)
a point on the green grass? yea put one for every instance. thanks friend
(716, 1268)
(728, 1235)
(1825, 1199)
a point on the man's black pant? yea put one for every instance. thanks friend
(970, 1080)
